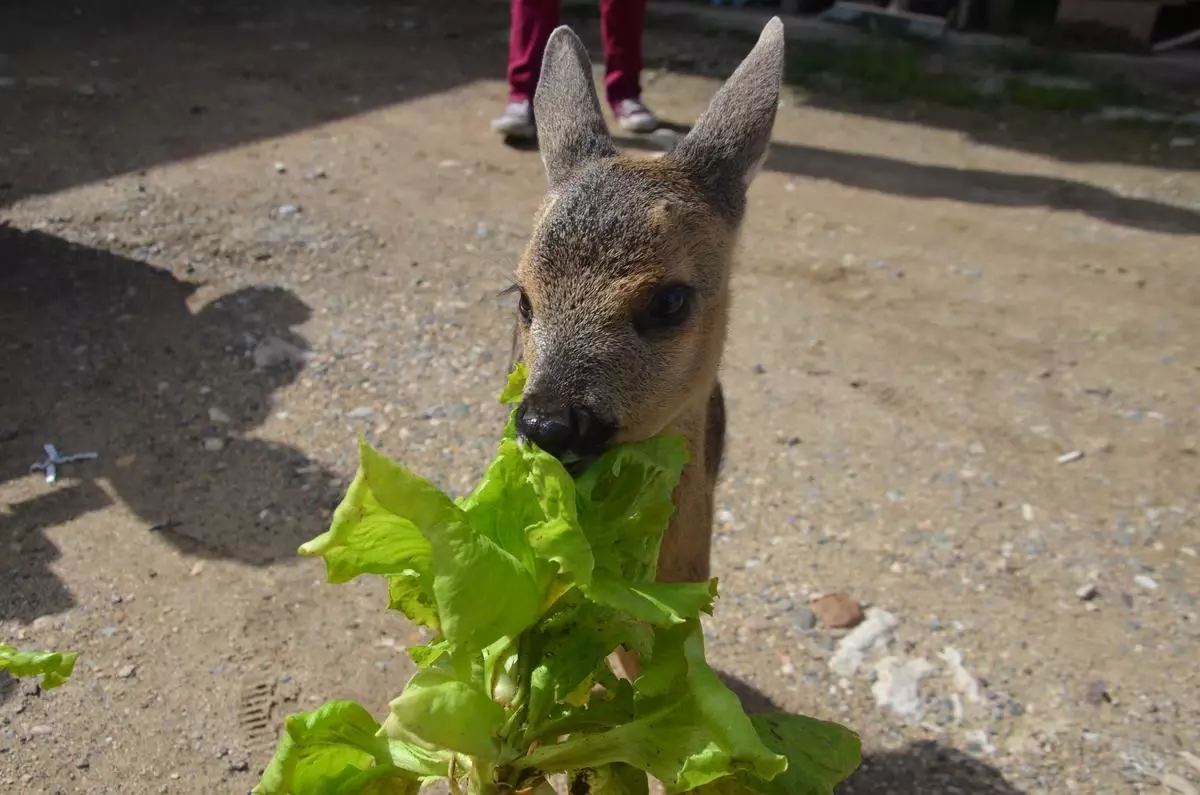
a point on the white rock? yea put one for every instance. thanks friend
(214, 444)
(218, 417)
(1179, 784)
(360, 413)
(1088, 591)
(1146, 582)
(873, 634)
(1067, 458)
(898, 685)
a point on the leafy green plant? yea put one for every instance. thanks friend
(54, 667)
(529, 583)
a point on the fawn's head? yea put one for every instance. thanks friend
(624, 287)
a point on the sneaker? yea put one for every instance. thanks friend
(516, 121)
(633, 116)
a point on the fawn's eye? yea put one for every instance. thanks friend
(669, 307)
(525, 308)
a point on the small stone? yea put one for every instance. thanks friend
(1146, 582)
(40, 730)
(725, 517)
(759, 369)
(1027, 512)
(273, 352)
(976, 448)
(214, 444)
(1179, 784)
(804, 619)
(174, 776)
(837, 610)
(108, 632)
(1067, 458)
(1096, 693)
(126, 671)
(360, 413)
(30, 687)
(1088, 592)
(241, 766)
(197, 567)
(280, 168)
(83, 764)
(287, 210)
(218, 417)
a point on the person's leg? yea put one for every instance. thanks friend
(621, 25)
(532, 22)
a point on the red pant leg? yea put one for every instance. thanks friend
(621, 26)
(532, 23)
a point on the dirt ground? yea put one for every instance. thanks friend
(932, 306)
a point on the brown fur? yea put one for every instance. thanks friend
(613, 232)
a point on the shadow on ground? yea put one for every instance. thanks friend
(996, 188)
(103, 353)
(128, 85)
(922, 768)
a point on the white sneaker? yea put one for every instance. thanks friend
(516, 121)
(633, 116)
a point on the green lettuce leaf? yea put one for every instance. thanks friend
(446, 713)
(369, 537)
(334, 750)
(514, 387)
(690, 735)
(820, 755)
(624, 505)
(661, 604)
(54, 667)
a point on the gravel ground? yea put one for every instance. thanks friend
(963, 384)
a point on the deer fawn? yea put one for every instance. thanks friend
(624, 286)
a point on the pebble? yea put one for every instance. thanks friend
(804, 619)
(287, 210)
(1146, 582)
(126, 671)
(197, 567)
(837, 610)
(1096, 693)
(40, 730)
(83, 764)
(108, 632)
(725, 517)
(214, 444)
(360, 413)
(280, 168)
(1088, 592)
(219, 417)
(1067, 458)
(1179, 784)
(273, 352)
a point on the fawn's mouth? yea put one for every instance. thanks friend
(576, 464)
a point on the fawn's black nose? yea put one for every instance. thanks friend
(569, 433)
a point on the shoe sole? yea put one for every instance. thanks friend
(514, 129)
(628, 125)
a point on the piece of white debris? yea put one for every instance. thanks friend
(1146, 582)
(964, 682)
(873, 634)
(898, 685)
(1067, 458)
(1088, 592)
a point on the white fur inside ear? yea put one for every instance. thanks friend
(757, 167)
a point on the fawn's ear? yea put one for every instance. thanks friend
(570, 126)
(729, 142)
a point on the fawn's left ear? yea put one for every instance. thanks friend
(570, 126)
(729, 142)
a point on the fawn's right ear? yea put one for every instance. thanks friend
(570, 126)
(729, 141)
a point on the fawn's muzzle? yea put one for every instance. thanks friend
(567, 433)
